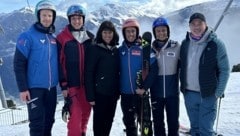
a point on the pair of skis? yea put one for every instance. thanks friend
(145, 109)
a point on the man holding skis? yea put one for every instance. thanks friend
(130, 63)
(204, 74)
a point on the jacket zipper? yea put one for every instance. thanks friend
(164, 71)
(129, 70)
(49, 64)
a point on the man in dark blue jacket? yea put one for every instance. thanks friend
(36, 69)
(204, 74)
(130, 63)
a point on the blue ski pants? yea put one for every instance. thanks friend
(201, 113)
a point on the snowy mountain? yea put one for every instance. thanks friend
(20, 20)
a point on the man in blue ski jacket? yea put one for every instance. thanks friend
(36, 69)
(130, 63)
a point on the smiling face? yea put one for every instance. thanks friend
(76, 21)
(161, 33)
(107, 36)
(131, 33)
(197, 27)
(46, 17)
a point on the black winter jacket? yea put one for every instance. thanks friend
(101, 71)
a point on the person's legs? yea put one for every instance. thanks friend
(74, 123)
(103, 114)
(158, 116)
(110, 113)
(36, 112)
(129, 114)
(172, 111)
(50, 101)
(85, 110)
(192, 103)
(208, 110)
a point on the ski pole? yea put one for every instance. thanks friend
(223, 14)
(218, 112)
(1, 29)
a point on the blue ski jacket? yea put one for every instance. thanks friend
(36, 60)
(130, 64)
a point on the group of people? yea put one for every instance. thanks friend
(94, 73)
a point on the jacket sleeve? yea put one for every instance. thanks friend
(62, 78)
(223, 69)
(20, 62)
(91, 60)
(153, 72)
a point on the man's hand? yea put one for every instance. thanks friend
(92, 103)
(140, 91)
(25, 96)
(139, 79)
(65, 93)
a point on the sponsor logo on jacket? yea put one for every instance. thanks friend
(136, 52)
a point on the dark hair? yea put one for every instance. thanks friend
(107, 25)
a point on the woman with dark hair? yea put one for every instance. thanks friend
(102, 78)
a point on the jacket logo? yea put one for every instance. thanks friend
(33, 105)
(123, 53)
(42, 41)
(22, 42)
(171, 54)
(53, 41)
(136, 52)
(152, 55)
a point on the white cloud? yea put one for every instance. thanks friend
(170, 5)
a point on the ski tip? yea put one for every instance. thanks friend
(147, 36)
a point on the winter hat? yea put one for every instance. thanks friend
(197, 16)
(130, 23)
(45, 4)
(76, 10)
(160, 21)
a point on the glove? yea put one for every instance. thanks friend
(139, 80)
(66, 108)
(157, 45)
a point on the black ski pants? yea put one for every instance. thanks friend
(171, 105)
(41, 111)
(103, 114)
(131, 111)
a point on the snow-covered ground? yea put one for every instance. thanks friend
(228, 125)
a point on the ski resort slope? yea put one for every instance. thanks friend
(228, 125)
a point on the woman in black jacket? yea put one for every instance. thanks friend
(102, 78)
